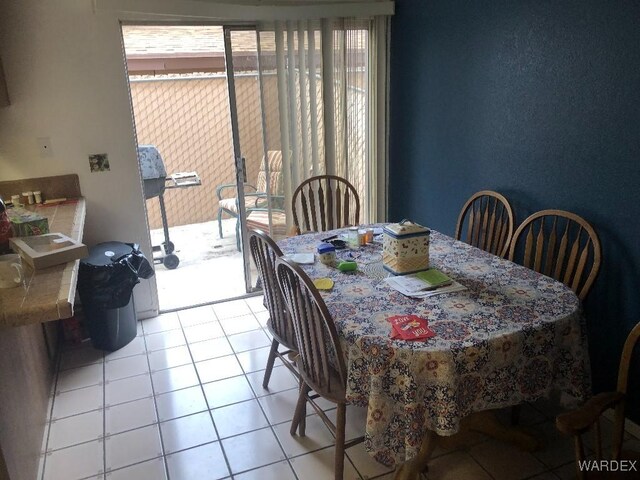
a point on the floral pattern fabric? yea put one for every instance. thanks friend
(514, 335)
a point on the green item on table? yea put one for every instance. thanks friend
(433, 277)
(347, 266)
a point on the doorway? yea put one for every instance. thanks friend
(180, 94)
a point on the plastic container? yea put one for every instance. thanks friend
(369, 235)
(405, 248)
(327, 254)
(353, 240)
(105, 283)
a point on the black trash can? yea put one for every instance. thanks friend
(105, 284)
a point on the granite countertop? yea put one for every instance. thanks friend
(48, 294)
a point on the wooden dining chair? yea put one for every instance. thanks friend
(578, 422)
(320, 361)
(488, 218)
(323, 203)
(265, 252)
(561, 245)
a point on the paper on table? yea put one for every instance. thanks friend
(301, 258)
(400, 284)
(433, 277)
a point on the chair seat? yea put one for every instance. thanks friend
(231, 205)
(288, 344)
(259, 219)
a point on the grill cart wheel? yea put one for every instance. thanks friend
(171, 261)
(169, 247)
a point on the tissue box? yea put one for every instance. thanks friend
(405, 248)
(26, 223)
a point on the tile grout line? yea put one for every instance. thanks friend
(104, 416)
(201, 385)
(206, 401)
(155, 407)
(45, 440)
(273, 432)
(234, 353)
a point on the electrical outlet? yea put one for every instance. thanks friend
(44, 146)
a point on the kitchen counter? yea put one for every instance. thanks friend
(48, 294)
(29, 334)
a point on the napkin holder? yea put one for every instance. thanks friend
(405, 248)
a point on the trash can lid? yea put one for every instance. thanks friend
(105, 253)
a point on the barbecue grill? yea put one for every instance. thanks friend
(155, 183)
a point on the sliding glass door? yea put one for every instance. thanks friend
(258, 167)
(302, 97)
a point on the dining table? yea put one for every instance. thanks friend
(511, 336)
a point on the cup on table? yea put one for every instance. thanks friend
(11, 272)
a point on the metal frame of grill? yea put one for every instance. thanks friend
(155, 182)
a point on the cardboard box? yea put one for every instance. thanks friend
(44, 251)
(25, 223)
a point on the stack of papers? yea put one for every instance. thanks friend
(433, 278)
(301, 258)
(424, 284)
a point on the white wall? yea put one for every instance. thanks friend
(66, 80)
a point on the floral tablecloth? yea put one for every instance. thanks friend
(514, 335)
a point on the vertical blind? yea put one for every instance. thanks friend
(325, 122)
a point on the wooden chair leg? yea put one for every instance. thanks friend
(340, 440)
(300, 415)
(270, 361)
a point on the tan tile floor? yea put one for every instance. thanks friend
(184, 401)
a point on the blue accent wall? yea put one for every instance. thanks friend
(539, 100)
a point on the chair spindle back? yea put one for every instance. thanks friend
(325, 202)
(265, 252)
(561, 245)
(489, 221)
(321, 362)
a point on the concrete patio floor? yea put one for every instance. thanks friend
(210, 269)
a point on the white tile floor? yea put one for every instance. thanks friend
(184, 401)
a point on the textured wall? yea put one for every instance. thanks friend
(188, 120)
(540, 101)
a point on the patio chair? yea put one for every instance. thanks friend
(489, 221)
(265, 252)
(573, 258)
(256, 199)
(320, 360)
(579, 421)
(323, 203)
